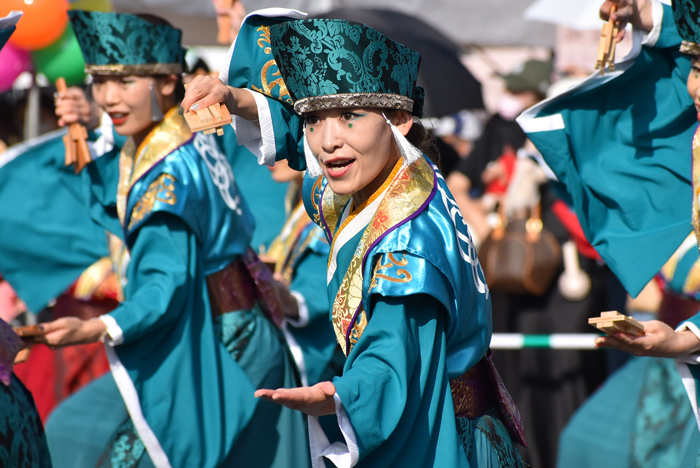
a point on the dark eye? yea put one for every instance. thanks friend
(347, 116)
(311, 120)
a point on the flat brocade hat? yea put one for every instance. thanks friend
(330, 64)
(686, 14)
(122, 44)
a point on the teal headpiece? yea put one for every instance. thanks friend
(686, 14)
(330, 64)
(121, 44)
(8, 26)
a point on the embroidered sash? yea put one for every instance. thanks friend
(408, 193)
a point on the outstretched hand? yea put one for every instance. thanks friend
(659, 340)
(204, 91)
(314, 401)
(68, 331)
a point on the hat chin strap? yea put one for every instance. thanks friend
(312, 166)
(409, 153)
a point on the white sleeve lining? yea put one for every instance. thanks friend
(342, 455)
(303, 319)
(115, 335)
(257, 136)
(657, 15)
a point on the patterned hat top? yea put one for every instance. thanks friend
(686, 14)
(121, 44)
(330, 64)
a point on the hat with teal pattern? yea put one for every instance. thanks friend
(686, 14)
(331, 64)
(8, 26)
(122, 44)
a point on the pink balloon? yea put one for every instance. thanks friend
(13, 61)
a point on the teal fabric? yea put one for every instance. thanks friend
(641, 417)
(322, 355)
(122, 39)
(46, 236)
(397, 395)
(5, 35)
(451, 274)
(204, 194)
(325, 57)
(623, 158)
(22, 440)
(264, 196)
(687, 16)
(169, 335)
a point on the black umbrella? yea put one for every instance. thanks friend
(449, 86)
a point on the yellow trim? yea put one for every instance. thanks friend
(168, 135)
(354, 212)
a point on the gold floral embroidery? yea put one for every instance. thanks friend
(407, 192)
(268, 87)
(315, 195)
(696, 184)
(403, 275)
(161, 190)
(692, 281)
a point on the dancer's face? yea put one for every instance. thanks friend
(355, 147)
(127, 100)
(694, 82)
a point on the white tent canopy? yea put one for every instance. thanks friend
(478, 22)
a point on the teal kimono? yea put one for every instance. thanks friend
(185, 365)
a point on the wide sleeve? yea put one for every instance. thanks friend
(394, 393)
(664, 33)
(158, 279)
(167, 341)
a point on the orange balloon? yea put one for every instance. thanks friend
(42, 23)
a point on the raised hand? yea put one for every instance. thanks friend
(204, 91)
(314, 401)
(659, 340)
(635, 12)
(73, 107)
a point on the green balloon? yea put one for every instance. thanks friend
(62, 58)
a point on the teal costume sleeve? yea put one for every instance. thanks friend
(47, 238)
(396, 392)
(158, 278)
(613, 142)
(169, 342)
(668, 36)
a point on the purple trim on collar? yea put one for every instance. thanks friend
(373, 244)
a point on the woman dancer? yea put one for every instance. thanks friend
(197, 330)
(410, 310)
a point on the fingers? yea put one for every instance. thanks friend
(204, 91)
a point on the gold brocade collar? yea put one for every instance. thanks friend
(171, 133)
(355, 211)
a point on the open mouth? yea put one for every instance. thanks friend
(118, 118)
(339, 167)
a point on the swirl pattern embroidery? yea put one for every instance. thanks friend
(269, 86)
(161, 190)
(382, 270)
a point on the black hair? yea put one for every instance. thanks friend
(179, 93)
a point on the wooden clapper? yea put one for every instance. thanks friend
(75, 141)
